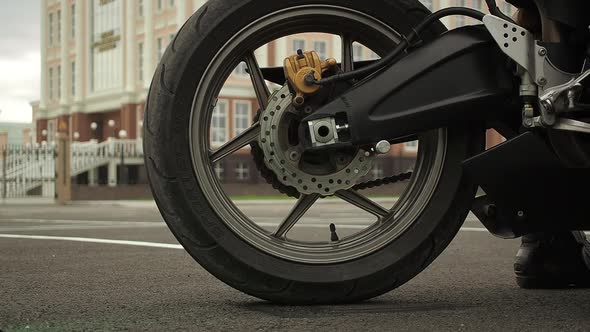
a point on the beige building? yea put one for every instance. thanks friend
(98, 57)
(97, 60)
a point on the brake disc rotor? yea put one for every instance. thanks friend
(285, 156)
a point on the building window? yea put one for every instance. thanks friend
(219, 124)
(106, 52)
(50, 83)
(140, 8)
(427, 4)
(73, 78)
(411, 146)
(58, 81)
(160, 48)
(171, 3)
(241, 69)
(320, 47)
(159, 5)
(241, 116)
(357, 52)
(140, 61)
(73, 21)
(477, 4)
(298, 44)
(242, 171)
(219, 170)
(59, 26)
(50, 29)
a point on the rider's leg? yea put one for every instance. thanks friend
(553, 260)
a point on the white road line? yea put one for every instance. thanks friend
(313, 223)
(128, 243)
(310, 225)
(349, 226)
(91, 240)
(76, 227)
(156, 244)
(345, 217)
(70, 221)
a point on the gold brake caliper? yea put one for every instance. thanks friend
(303, 64)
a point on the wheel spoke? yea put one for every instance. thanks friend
(303, 204)
(363, 202)
(347, 53)
(260, 87)
(246, 137)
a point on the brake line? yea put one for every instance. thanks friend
(401, 47)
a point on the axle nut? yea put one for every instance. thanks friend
(382, 147)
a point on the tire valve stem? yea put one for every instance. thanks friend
(333, 235)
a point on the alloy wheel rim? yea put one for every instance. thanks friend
(427, 170)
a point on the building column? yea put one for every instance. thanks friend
(64, 101)
(130, 45)
(281, 51)
(128, 120)
(444, 4)
(93, 177)
(262, 56)
(337, 47)
(80, 31)
(198, 4)
(88, 48)
(44, 36)
(181, 14)
(112, 173)
(148, 49)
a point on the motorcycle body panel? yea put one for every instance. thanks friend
(528, 189)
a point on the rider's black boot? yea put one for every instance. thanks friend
(587, 254)
(553, 260)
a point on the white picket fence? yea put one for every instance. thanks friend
(88, 155)
(30, 170)
(25, 168)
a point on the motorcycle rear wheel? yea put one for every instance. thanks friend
(208, 46)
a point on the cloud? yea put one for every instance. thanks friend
(19, 85)
(19, 111)
(19, 58)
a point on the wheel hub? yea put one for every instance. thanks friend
(310, 172)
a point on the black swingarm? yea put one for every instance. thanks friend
(458, 78)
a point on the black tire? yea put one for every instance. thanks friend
(199, 229)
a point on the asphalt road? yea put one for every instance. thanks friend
(62, 285)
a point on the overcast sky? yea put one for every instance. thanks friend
(19, 58)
